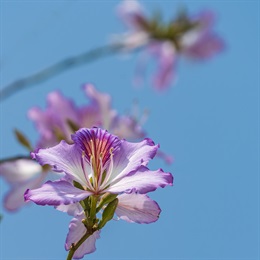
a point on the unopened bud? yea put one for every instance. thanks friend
(105, 199)
(108, 213)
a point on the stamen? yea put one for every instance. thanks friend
(110, 169)
(101, 171)
(89, 185)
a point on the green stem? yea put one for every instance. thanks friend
(75, 246)
(92, 214)
(58, 68)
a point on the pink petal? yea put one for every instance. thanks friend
(138, 208)
(56, 193)
(71, 209)
(76, 232)
(131, 12)
(63, 158)
(141, 181)
(102, 104)
(166, 62)
(131, 156)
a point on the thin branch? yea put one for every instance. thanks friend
(57, 68)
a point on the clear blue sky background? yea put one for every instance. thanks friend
(208, 121)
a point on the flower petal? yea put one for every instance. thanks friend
(141, 181)
(131, 156)
(56, 193)
(101, 103)
(76, 231)
(19, 170)
(166, 63)
(131, 12)
(14, 199)
(71, 209)
(127, 127)
(63, 158)
(54, 118)
(138, 208)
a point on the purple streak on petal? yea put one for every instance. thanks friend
(76, 232)
(141, 181)
(138, 208)
(131, 156)
(63, 158)
(56, 193)
(94, 142)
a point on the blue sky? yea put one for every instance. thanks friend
(208, 121)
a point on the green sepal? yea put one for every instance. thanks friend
(78, 185)
(22, 139)
(105, 199)
(108, 213)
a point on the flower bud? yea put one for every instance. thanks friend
(105, 199)
(108, 213)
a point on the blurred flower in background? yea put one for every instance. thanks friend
(186, 35)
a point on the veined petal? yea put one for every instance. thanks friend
(97, 144)
(76, 231)
(138, 208)
(141, 181)
(63, 158)
(19, 170)
(56, 193)
(131, 156)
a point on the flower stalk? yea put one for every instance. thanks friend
(75, 246)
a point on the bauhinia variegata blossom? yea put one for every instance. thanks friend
(102, 173)
(189, 36)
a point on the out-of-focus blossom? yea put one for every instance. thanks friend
(183, 36)
(61, 118)
(96, 164)
(21, 174)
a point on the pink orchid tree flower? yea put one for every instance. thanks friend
(102, 172)
(187, 36)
